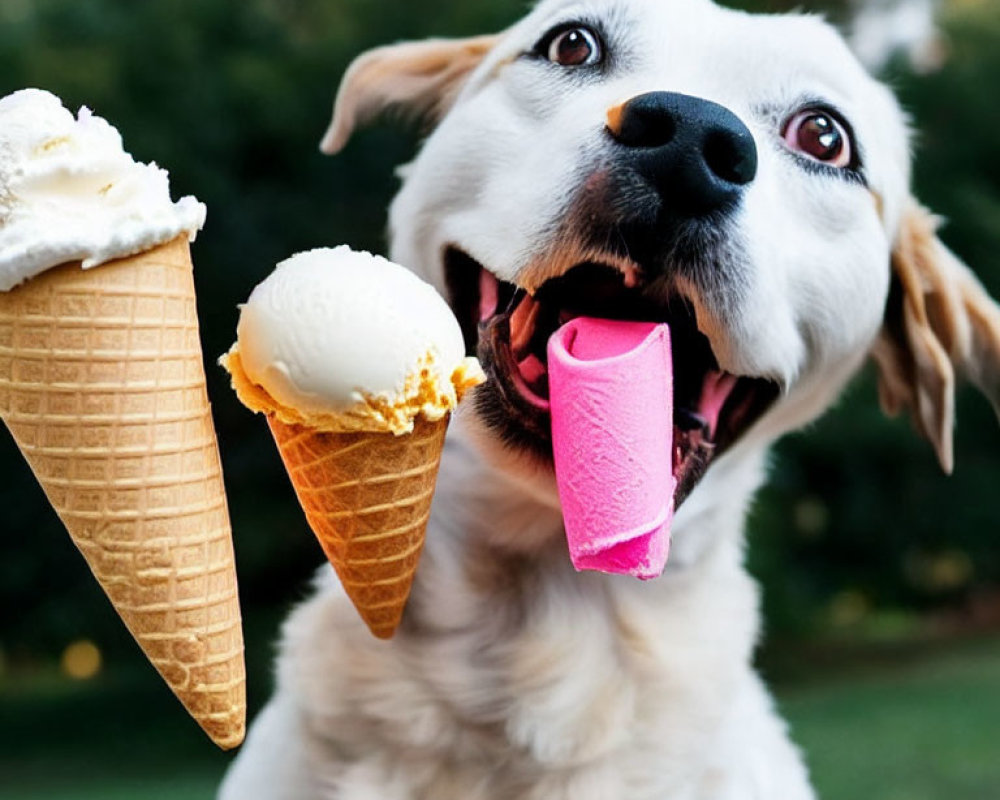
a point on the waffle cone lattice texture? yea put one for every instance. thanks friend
(103, 388)
(367, 497)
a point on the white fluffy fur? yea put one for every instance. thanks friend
(520, 679)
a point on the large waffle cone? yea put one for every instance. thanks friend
(367, 497)
(103, 388)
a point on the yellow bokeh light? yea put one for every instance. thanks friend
(849, 607)
(81, 660)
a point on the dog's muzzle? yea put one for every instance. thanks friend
(656, 208)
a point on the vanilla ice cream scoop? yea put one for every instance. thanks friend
(70, 192)
(341, 340)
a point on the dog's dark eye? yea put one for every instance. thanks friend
(820, 135)
(575, 47)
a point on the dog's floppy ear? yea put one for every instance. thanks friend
(422, 78)
(940, 325)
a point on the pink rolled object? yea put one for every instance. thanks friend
(611, 398)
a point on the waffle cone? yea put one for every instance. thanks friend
(367, 497)
(103, 388)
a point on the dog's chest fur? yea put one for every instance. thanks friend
(515, 677)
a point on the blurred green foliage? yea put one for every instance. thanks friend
(233, 96)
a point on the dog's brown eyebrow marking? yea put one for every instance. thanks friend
(503, 62)
(879, 204)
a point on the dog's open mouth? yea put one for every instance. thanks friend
(508, 329)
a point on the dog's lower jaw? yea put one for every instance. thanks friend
(515, 678)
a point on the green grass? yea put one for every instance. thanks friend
(121, 738)
(185, 787)
(928, 729)
(917, 726)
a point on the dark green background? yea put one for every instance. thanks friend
(858, 535)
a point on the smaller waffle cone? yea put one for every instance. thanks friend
(103, 388)
(367, 497)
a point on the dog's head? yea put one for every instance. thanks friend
(738, 176)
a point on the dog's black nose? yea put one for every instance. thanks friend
(696, 154)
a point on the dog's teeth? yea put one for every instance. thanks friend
(522, 325)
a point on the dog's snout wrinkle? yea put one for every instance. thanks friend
(697, 155)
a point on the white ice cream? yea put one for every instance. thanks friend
(70, 192)
(348, 340)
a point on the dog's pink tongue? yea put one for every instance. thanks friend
(611, 398)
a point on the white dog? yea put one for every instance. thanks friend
(738, 176)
